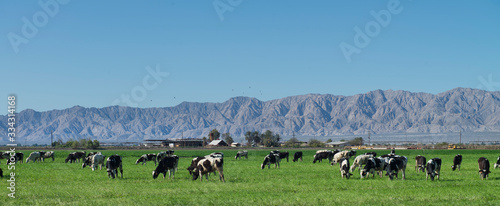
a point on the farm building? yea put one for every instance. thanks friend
(217, 143)
(337, 144)
(236, 144)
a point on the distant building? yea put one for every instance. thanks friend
(217, 143)
(337, 144)
(236, 144)
(189, 142)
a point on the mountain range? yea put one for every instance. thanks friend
(378, 112)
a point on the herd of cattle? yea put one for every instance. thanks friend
(367, 163)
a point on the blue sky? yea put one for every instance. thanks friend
(93, 53)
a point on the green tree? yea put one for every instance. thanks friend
(75, 144)
(329, 140)
(270, 140)
(249, 138)
(316, 143)
(213, 135)
(292, 142)
(96, 144)
(227, 137)
(256, 136)
(357, 141)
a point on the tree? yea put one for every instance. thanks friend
(96, 144)
(213, 135)
(329, 140)
(249, 138)
(227, 137)
(292, 142)
(270, 140)
(256, 136)
(357, 141)
(204, 141)
(74, 144)
(316, 143)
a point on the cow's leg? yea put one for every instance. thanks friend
(121, 170)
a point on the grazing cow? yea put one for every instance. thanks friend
(194, 163)
(33, 157)
(324, 154)
(94, 160)
(497, 165)
(4, 155)
(457, 161)
(343, 154)
(420, 163)
(208, 165)
(396, 164)
(282, 155)
(240, 154)
(169, 164)
(49, 154)
(112, 164)
(297, 156)
(360, 161)
(344, 168)
(18, 157)
(371, 153)
(484, 167)
(146, 157)
(79, 155)
(71, 158)
(271, 159)
(433, 168)
(373, 165)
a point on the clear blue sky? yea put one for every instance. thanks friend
(90, 53)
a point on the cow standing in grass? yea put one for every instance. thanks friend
(271, 159)
(208, 165)
(433, 168)
(33, 157)
(373, 165)
(113, 163)
(420, 162)
(344, 168)
(18, 157)
(49, 154)
(396, 164)
(240, 154)
(297, 156)
(344, 154)
(146, 157)
(457, 161)
(324, 154)
(359, 161)
(169, 164)
(94, 160)
(484, 167)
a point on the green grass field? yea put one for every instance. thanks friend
(299, 183)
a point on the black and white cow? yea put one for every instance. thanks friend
(4, 155)
(373, 165)
(484, 167)
(396, 164)
(271, 159)
(359, 161)
(18, 157)
(33, 157)
(497, 165)
(371, 153)
(79, 155)
(113, 163)
(420, 162)
(194, 163)
(146, 157)
(208, 165)
(344, 154)
(169, 164)
(46, 155)
(94, 160)
(282, 155)
(324, 154)
(240, 154)
(433, 168)
(297, 156)
(71, 158)
(344, 168)
(457, 161)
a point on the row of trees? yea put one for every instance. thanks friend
(82, 143)
(268, 138)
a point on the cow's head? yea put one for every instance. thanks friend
(483, 173)
(266, 162)
(155, 174)
(237, 155)
(453, 167)
(86, 162)
(139, 160)
(196, 173)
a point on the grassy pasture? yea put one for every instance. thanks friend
(299, 183)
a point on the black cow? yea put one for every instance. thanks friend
(484, 167)
(457, 161)
(433, 168)
(324, 154)
(18, 157)
(396, 164)
(282, 155)
(112, 164)
(497, 165)
(166, 164)
(271, 159)
(344, 168)
(420, 162)
(297, 156)
(71, 158)
(146, 157)
(194, 163)
(79, 155)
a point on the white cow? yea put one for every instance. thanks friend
(359, 161)
(340, 155)
(240, 154)
(34, 156)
